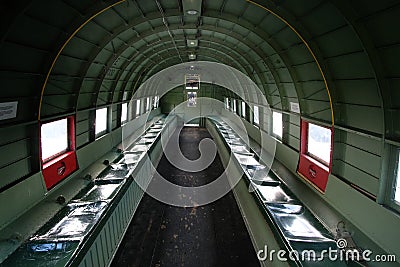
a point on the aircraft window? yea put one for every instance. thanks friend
(124, 112)
(397, 182)
(243, 109)
(138, 107)
(256, 117)
(148, 104)
(155, 102)
(54, 138)
(191, 96)
(192, 81)
(319, 142)
(101, 121)
(277, 126)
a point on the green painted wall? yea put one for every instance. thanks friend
(372, 226)
(32, 190)
(178, 95)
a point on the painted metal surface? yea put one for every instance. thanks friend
(103, 60)
(59, 168)
(294, 223)
(64, 238)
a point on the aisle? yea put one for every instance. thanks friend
(210, 235)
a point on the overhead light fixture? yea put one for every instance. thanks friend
(192, 12)
(192, 56)
(192, 42)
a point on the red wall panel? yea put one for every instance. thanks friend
(309, 168)
(56, 170)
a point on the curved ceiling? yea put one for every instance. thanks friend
(333, 57)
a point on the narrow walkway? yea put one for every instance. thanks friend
(206, 236)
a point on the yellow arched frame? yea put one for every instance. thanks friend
(254, 3)
(64, 45)
(309, 49)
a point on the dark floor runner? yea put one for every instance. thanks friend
(210, 235)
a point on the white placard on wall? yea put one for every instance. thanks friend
(294, 107)
(8, 110)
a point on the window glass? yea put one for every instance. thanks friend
(319, 142)
(243, 109)
(192, 99)
(277, 127)
(256, 117)
(148, 104)
(101, 120)
(226, 103)
(138, 107)
(124, 112)
(234, 105)
(54, 138)
(397, 182)
(192, 81)
(155, 103)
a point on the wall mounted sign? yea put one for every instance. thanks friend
(8, 110)
(294, 107)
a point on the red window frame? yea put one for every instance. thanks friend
(60, 166)
(71, 139)
(312, 169)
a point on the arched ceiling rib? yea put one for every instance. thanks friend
(248, 49)
(360, 30)
(215, 55)
(354, 53)
(151, 16)
(112, 58)
(161, 26)
(348, 64)
(241, 62)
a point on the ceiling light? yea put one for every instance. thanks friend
(192, 56)
(192, 12)
(192, 42)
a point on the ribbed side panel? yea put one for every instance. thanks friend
(105, 245)
(107, 241)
